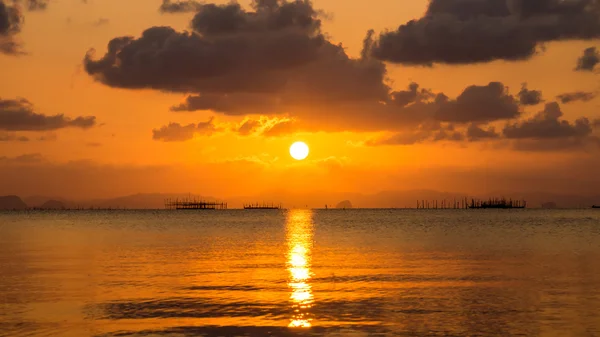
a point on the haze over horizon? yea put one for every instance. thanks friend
(101, 99)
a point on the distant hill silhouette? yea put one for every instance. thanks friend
(316, 199)
(38, 200)
(53, 204)
(12, 202)
(344, 204)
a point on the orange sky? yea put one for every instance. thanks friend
(118, 155)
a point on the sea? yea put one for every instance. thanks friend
(300, 272)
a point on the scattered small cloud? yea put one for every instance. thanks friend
(175, 132)
(589, 59)
(547, 125)
(478, 104)
(476, 133)
(575, 96)
(180, 6)
(18, 115)
(529, 97)
(12, 137)
(30, 158)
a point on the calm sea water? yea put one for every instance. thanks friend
(300, 272)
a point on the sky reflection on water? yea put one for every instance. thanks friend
(300, 273)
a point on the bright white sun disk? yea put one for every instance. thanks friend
(299, 150)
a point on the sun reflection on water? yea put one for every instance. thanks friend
(299, 239)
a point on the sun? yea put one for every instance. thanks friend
(299, 150)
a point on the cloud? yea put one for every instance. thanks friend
(476, 133)
(247, 127)
(11, 137)
(432, 132)
(575, 96)
(175, 132)
(232, 104)
(547, 125)
(543, 132)
(266, 126)
(474, 31)
(588, 60)
(280, 128)
(18, 115)
(30, 158)
(182, 6)
(529, 97)
(274, 66)
(478, 104)
(10, 24)
(229, 50)
(412, 95)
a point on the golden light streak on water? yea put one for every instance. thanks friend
(299, 228)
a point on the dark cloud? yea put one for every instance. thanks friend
(529, 97)
(472, 31)
(413, 94)
(588, 60)
(543, 132)
(230, 50)
(575, 96)
(11, 137)
(175, 132)
(476, 133)
(547, 125)
(232, 104)
(182, 6)
(478, 104)
(10, 24)
(428, 132)
(18, 115)
(274, 61)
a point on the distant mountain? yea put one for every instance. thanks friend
(316, 199)
(12, 202)
(38, 201)
(53, 204)
(144, 201)
(344, 204)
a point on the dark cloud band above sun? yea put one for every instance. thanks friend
(475, 31)
(229, 50)
(274, 65)
(18, 115)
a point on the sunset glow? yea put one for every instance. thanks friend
(113, 102)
